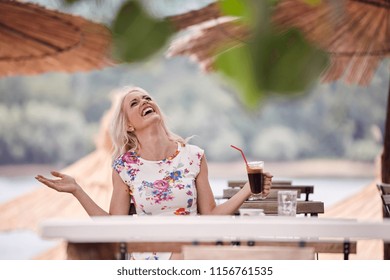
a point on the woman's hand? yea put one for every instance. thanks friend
(65, 183)
(267, 184)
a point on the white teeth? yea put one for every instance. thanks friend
(147, 111)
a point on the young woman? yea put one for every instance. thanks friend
(153, 168)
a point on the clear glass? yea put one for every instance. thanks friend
(287, 203)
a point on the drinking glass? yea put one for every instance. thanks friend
(256, 178)
(287, 203)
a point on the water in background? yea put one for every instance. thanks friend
(11, 187)
(25, 244)
(20, 244)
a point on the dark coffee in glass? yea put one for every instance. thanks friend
(256, 176)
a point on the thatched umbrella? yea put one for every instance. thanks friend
(36, 40)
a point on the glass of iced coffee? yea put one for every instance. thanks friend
(256, 178)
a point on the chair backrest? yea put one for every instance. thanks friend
(386, 204)
(233, 188)
(273, 194)
(304, 189)
(385, 189)
(240, 183)
(247, 253)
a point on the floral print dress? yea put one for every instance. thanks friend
(165, 187)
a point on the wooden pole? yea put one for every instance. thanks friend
(385, 173)
(386, 146)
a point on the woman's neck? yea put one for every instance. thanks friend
(154, 144)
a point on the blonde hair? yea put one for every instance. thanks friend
(122, 139)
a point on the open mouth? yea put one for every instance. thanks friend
(147, 111)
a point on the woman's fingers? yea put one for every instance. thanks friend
(41, 178)
(54, 173)
(45, 181)
(268, 181)
(57, 174)
(50, 182)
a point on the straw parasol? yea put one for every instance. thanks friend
(35, 40)
(354, 32)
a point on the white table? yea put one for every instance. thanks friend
(162, 230)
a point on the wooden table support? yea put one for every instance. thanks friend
(111, 251)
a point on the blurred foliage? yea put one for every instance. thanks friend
(136, 34)
(53, 118)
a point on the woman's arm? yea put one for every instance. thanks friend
(206, 201)
(120, 199)
(68, 184)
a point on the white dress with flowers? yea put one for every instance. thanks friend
(165, 187)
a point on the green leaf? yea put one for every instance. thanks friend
(236, 65)
(136, 34)
(71, 1)
(312, 2)
(243, 9)
(286, 62)
(273, 2)
(236, 8)
(282, 63)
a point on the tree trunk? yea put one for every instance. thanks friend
(386, 146)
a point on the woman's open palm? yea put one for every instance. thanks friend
(65, 183)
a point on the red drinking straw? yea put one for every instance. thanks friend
(234, 147)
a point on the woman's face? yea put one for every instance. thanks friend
(140, 110)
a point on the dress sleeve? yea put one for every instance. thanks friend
(118, 164)
(196, 154)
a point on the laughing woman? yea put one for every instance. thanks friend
(153, 169)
